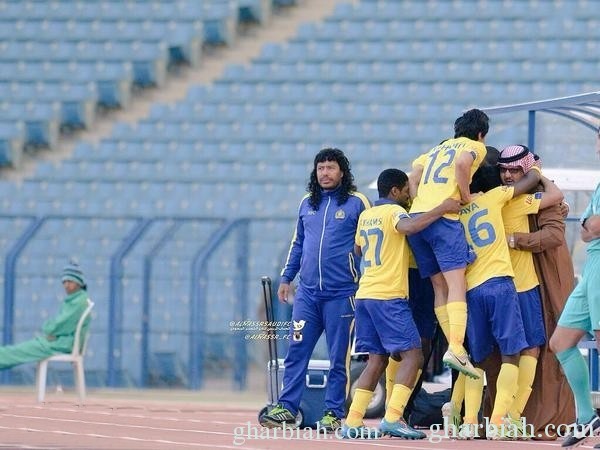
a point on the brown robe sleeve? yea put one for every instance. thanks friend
(549, 235)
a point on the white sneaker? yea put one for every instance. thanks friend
(468, 431)
(500, 433)
(519, 428)
(462, 364)
(452, 415)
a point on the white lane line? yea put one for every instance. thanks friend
(30, 447)
(113, 424)
(137, 416)
(271, 437)
(301, 436)
(126, 438)
(163, 410)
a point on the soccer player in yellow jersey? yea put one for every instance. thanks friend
(441, 249)
(384, 323)
(515, 161)
(488, 171)
(493, 306)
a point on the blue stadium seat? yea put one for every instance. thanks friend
(255, 10)
(381, 79)
(41, 122)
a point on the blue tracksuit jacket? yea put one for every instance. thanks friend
(323, 244)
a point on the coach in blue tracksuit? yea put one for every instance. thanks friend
(322, 254)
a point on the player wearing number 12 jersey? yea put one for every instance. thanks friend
(384, 322)
(441, 249)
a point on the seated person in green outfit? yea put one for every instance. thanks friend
(59, 331)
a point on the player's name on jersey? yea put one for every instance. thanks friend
(374, 221)
(469, 208)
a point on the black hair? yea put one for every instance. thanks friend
(491, 157)
(388, 179)
(347, 184)
(487, 177)
(471, 123)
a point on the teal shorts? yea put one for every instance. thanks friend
(582, 310)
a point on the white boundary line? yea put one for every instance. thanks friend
(126, 438)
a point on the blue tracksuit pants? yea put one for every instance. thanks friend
(310, 317)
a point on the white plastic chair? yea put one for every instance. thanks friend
(75, 357)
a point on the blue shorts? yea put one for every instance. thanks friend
(530, 303)
(385, 327)
(441, 247)
(494, 318)
(420, 299)
(582, 309)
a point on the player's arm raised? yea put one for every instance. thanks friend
(410, 225)
(527, 183)
(552, 195)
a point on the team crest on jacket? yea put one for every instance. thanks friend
(297, 337)
(340, 214)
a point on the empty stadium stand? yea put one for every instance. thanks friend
(158, 199)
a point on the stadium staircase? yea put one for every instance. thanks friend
(381, 79)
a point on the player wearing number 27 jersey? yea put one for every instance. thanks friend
(384, 322)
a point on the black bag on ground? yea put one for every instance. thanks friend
(427, 408)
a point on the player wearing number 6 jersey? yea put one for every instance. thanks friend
(441, 249)
(494, 314)
(384, 322)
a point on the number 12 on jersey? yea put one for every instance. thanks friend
(448, 157)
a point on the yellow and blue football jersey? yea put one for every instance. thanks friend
(439, 173)
(385, 252)
(484, 228)
(515, 216)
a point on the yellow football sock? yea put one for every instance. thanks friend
(457, 316)
(458, 391)
(390, 376)
(442, 317)
(506, 388)
(395, 409)
(358, 408)
(527, 366)
(473, 392)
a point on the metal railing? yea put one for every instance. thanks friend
(238, 229)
